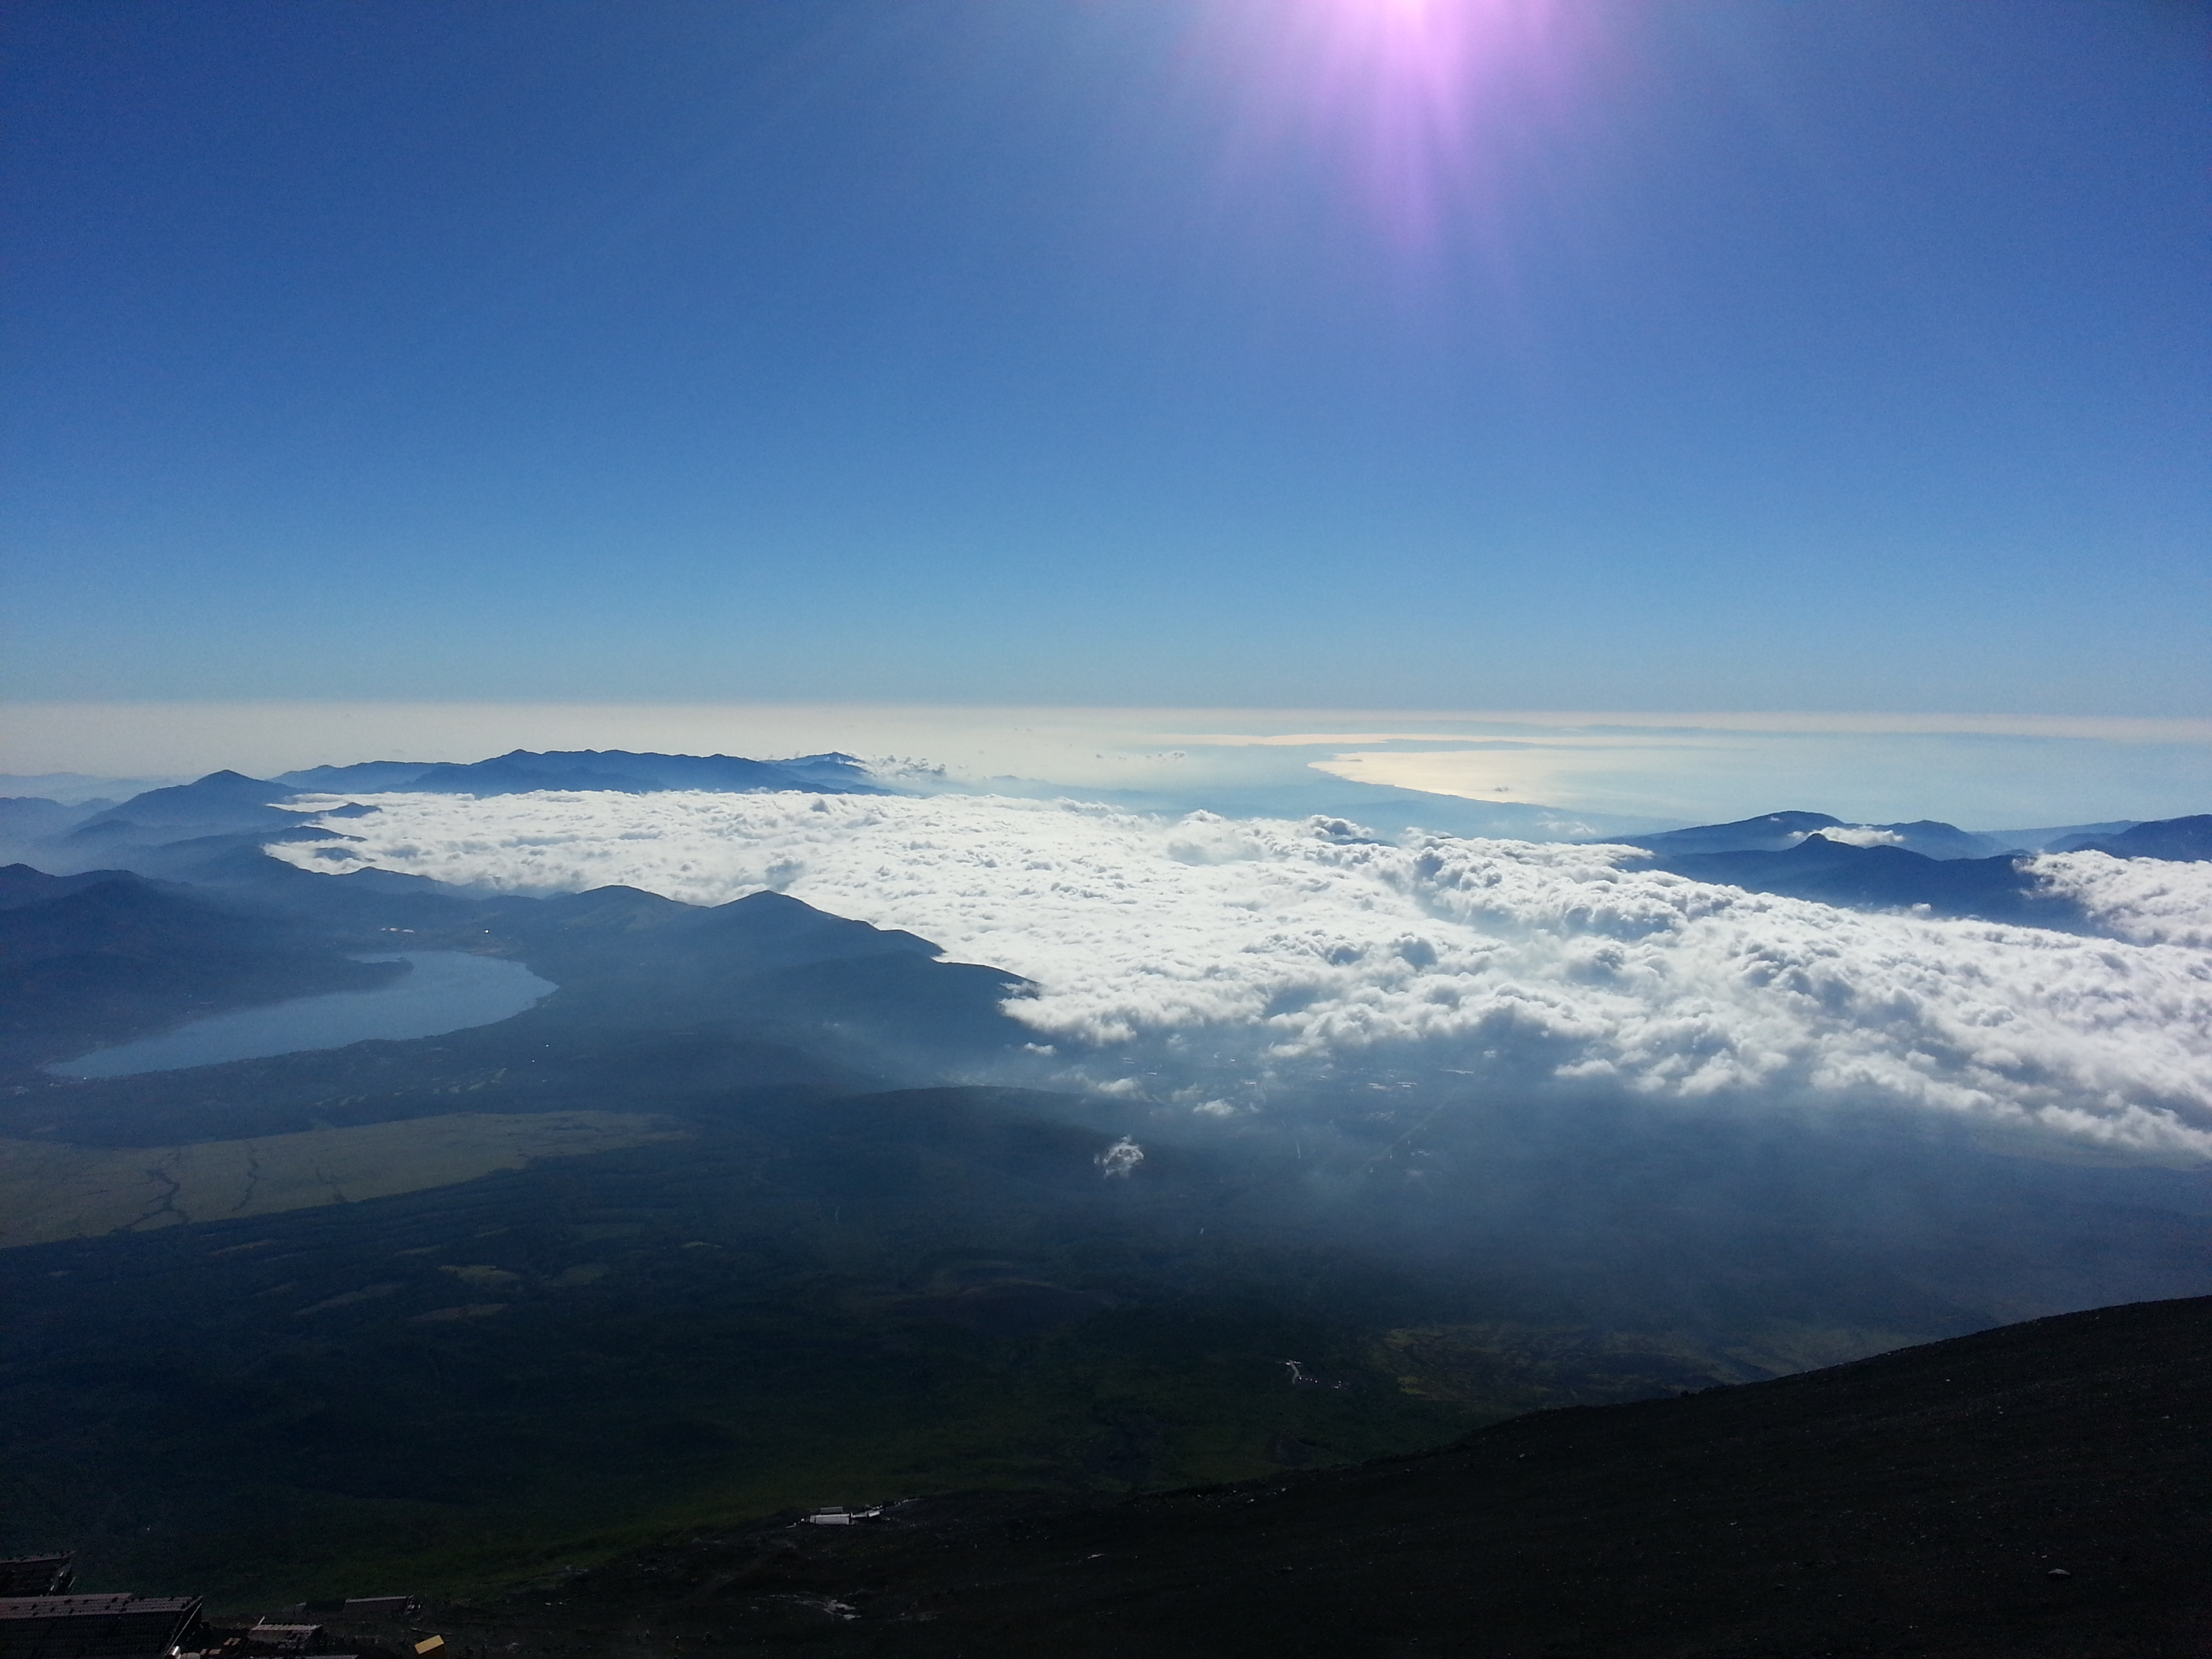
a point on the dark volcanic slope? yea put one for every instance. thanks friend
(2039, 1489)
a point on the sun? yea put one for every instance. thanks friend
(1414, 102)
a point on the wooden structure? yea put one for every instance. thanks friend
(94, 1626)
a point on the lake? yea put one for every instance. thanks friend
(441, 991)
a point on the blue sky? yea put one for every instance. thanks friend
(1794, 354)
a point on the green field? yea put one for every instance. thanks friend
(51, 1191)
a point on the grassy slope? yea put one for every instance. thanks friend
(51, 1191)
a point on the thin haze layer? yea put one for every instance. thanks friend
(1222, 961)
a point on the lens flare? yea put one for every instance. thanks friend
(1423, 107)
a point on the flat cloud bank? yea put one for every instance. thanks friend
(1227, 965)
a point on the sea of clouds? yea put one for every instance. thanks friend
(1221, 963)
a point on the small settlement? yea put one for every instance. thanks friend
(40, 1620)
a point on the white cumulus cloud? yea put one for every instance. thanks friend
(2150, 901)
(1860, 835)
(1124, 1156)
(1231, 958)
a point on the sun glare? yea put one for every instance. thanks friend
(1418, 102)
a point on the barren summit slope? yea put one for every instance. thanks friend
(2039, 1489)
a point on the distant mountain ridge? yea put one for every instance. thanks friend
(1922, 865)
(220, 802)
(620, 770)
(31, 818)
(1886, 879)
(104, 954)
(213, 831)
(1777, 832)
(2186, 841)
(201, 830)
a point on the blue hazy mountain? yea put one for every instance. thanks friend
(170, 832)
(77, 789)
(2056, 837)
(1771, 833)
(2185, 840)
(217, 801)
(154, 834)
(365, 777)
(19, 885)
(620, 770)
(33, 818)
(1884, 879)
(1785, 853)
(1937, 840)
(875, 997)
(1778, 832)
(200, 831)
(107, 954)
(1923, 863)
